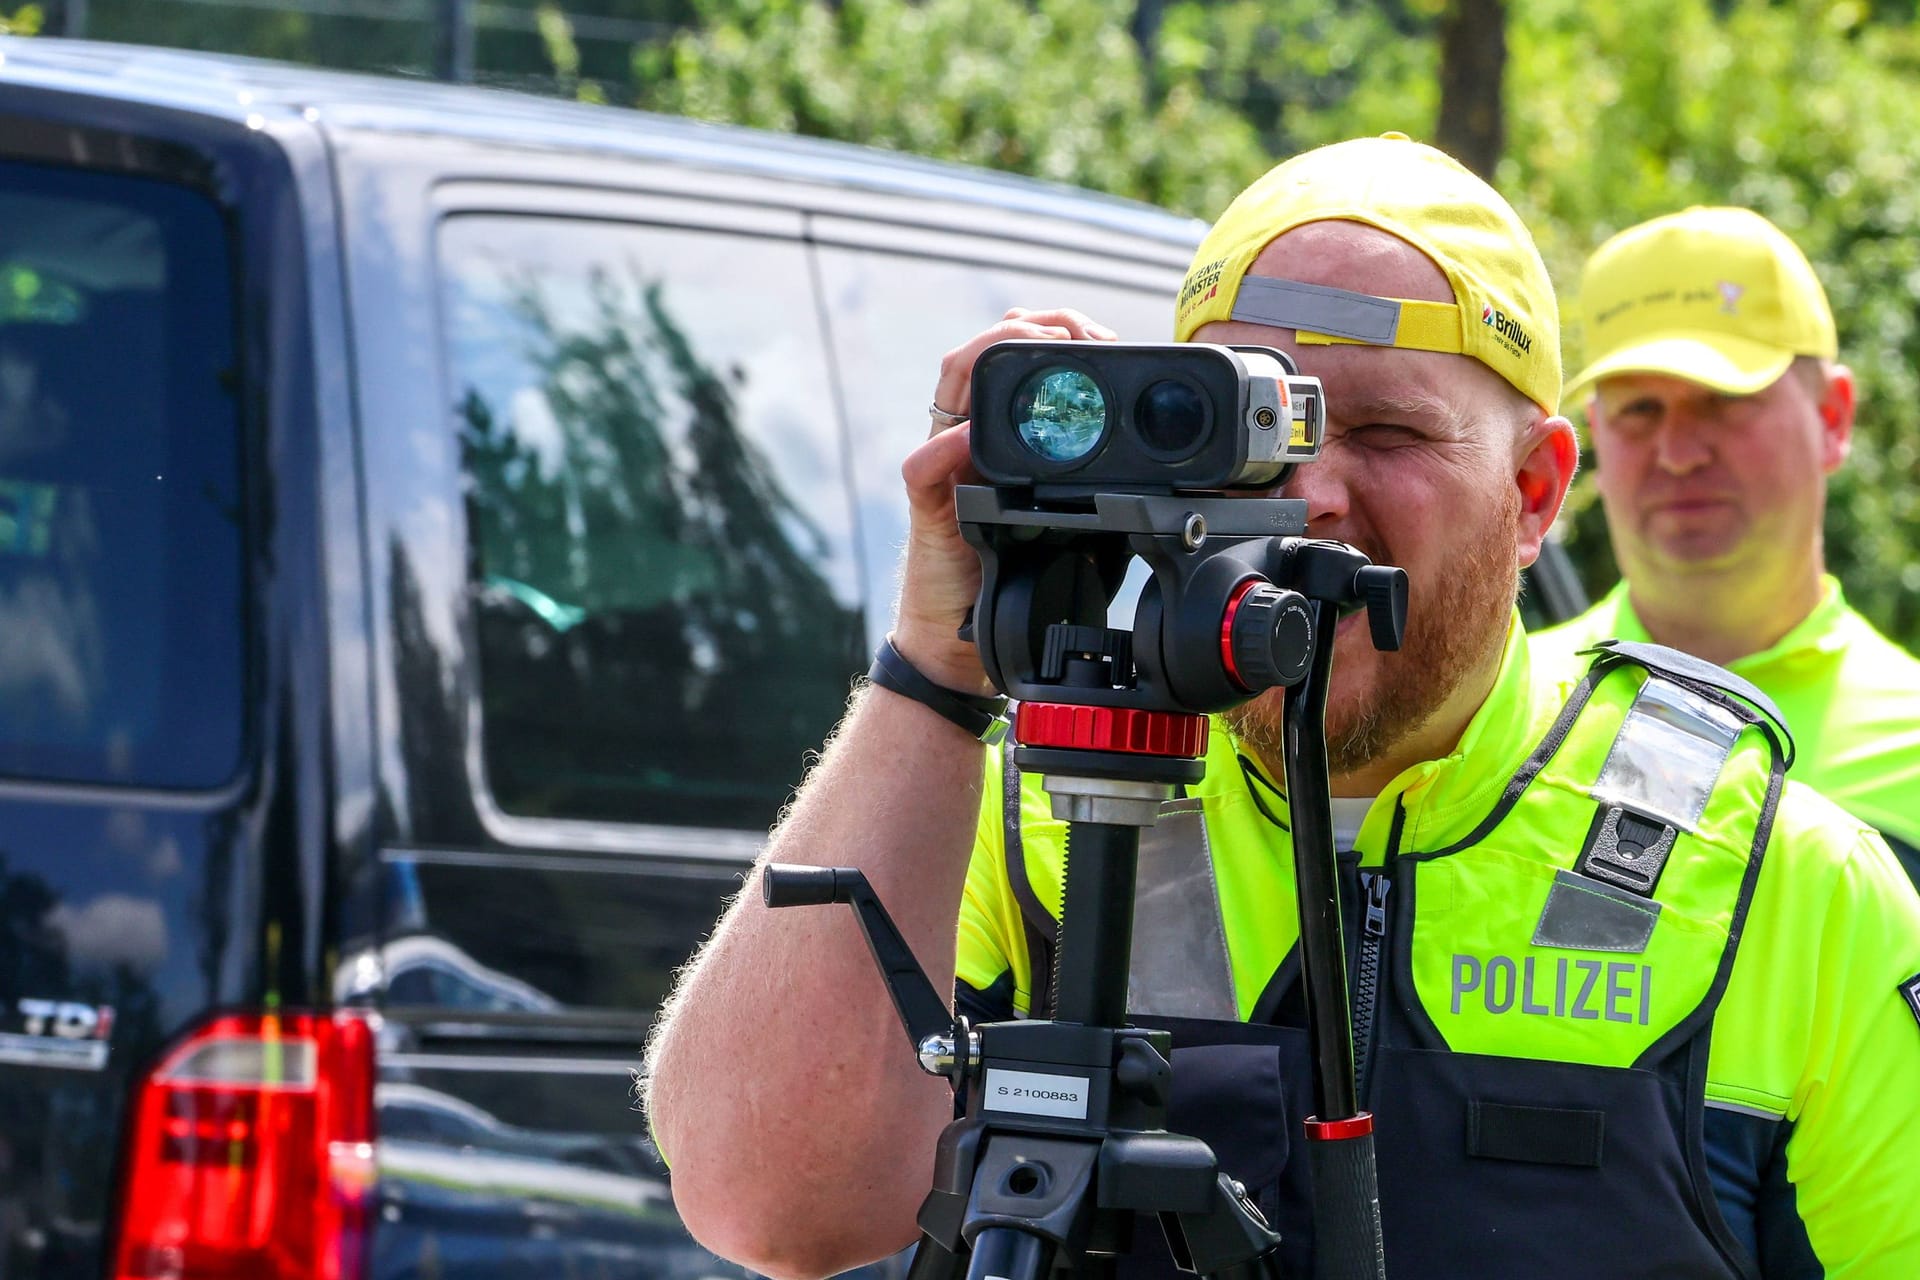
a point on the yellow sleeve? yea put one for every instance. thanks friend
(1853, 1156)
(992, 939)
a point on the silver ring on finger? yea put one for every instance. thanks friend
(942, 419)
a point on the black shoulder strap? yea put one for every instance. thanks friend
(1737, 694)
(1042, 930)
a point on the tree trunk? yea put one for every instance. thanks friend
(1473, 63)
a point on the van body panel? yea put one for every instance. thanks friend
(133, 911)
(360, 856)
(521, 956)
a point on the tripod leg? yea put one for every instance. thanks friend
(1006, 1253)
(931, 1261)
(1349, 1245)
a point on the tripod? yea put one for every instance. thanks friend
(1063, 1140)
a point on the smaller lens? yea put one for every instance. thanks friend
(1060, 413)
(1172, 418)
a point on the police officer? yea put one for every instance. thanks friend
(1625, 1003)
(1717, 411)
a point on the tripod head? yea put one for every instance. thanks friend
(1224, 617)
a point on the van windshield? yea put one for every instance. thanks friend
(120, 513)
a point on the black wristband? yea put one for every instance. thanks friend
(983, 717)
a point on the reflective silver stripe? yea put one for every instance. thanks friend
(1179, 966)
(1589, 915)
(1741, 1108)
(1288, 304)
(1668, 755)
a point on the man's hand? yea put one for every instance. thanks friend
(942, 576)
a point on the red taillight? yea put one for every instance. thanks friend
(251, 1154)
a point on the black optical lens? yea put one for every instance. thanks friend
(1060, 413)
(1172, 418)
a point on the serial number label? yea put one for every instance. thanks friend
(1035, 1093)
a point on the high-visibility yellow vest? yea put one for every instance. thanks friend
(1614, 883)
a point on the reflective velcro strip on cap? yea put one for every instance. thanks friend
(1321, 315)
(1340, 313)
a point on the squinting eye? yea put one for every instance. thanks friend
(1380, 435)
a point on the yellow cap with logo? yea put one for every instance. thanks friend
(1503, 313)
(1717, 296)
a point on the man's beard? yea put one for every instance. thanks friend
(1451, 628)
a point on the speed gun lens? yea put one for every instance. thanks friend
(1172, 417)
(1060, 413)
(1072, 420)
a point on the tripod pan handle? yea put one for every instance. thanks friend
(1346, 1201)
(786, 885)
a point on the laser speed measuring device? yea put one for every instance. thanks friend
(1075, 418)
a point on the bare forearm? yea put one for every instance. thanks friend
(783, 1090)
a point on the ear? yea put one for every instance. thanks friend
(1836, 418)
(1545, 473)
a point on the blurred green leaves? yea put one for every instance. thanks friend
(1806, 110)
(26, 20)
(1056, 89)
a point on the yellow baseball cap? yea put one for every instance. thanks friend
(1503, 313)
(1717, 296)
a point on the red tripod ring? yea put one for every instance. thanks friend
(1125, 729)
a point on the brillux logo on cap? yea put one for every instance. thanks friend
(1730, 295)
(1517, 340)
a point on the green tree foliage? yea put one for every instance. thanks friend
(1305, 72)
(567, 46)
(25, 20)
(1054, 88)
(1801, 109)
(352, 40)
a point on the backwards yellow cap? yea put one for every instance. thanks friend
(1720, 297)
(1503, 313)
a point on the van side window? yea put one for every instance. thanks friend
(121, 625)
(894, 316)
(661, 562)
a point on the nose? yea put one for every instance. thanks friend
(1680, 446)
(1323, 486)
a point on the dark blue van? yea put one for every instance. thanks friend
(435, 527)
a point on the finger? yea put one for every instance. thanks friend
(954, 390)
(933, 468)
(1078, 324)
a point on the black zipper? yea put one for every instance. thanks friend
(1375, 886)
(1369, 986)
